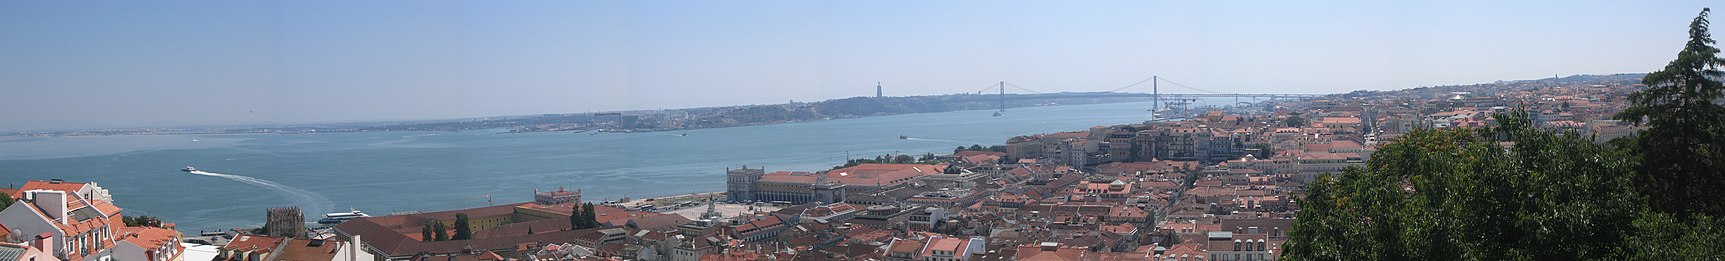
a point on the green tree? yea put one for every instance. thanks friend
(1295, 121)
(1456, 194)
(425, 232)
(463, 230)
(576, 220)
(957, 150)
(976, 147)
(589, 216)
(6, 200)
(140, 221)
(439, 231)
(1681, 153)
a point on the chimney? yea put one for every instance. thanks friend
(44, 243)
(50, 201)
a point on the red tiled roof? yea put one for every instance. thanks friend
(252, 243)
(303, 250)
(860, 175)
(905, 246)
(149, 237)
(71, 188)
(107, 209)
(943, 244)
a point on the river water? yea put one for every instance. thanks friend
(385, 172)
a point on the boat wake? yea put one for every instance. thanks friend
(312, 202)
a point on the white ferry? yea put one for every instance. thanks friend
(338, 217)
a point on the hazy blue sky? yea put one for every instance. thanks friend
(73, 64)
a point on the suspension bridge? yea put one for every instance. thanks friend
(1188, 95)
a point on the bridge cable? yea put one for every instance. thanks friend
(1192, 88)
(1015, 86)
(1133, 84)
(991, 86)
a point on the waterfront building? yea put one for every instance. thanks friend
(559, 197)
(284, 222)
(831, 186)
(739, 183)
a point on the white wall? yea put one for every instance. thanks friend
(129, 252)
(29, 224)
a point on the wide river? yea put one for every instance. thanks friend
(385, 172)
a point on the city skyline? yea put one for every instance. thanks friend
(187, 63)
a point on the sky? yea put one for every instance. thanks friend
(75, 64)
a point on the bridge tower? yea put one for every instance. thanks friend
(1002, 95)
(1155, 96)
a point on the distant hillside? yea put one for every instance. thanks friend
(1502, 86)
(732, 116)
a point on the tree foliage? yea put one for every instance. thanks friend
(1681, 149)
(575, 218)
(425, 233)
(1295, 121)
(583, 217)
(1460, 195)
(463, 230)
(137, 221)
(589, 217)
(439, 232)
(1516, 192)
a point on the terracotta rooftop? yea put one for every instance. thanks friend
(252, 243)
(860, 175)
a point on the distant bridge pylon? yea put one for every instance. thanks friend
(1156, 96)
